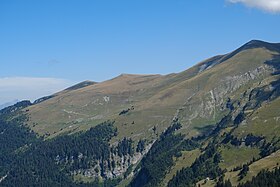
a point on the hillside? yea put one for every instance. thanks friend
(155, 98)
(219, 118)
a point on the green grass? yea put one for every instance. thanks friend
(205, 183)
(186, 160)
(82, 178)
(235, 156)
(263, 122)
(270, 162)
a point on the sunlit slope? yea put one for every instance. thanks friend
(196, 96)
(265, 123)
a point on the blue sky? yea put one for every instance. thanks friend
(75, 40)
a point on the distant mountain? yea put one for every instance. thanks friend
(75, 87)
(215, 124)
(4, 105)
(80, 85)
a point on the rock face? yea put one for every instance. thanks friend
(116, 167)
(210, 105)
(105, 170)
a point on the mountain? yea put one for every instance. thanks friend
(216, 123)
(4, 105)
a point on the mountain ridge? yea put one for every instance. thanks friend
(157, 87)
(223, 113)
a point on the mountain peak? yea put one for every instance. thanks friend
(81, 85)
(261, 44)
(256, 43)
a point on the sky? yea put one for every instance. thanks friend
(48, 45)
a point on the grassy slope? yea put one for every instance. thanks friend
(156, 100)
(233, 156)
(263, 122)
(186, 160)
(269, 162)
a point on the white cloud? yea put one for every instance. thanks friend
(30, 88)
(267, 5)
